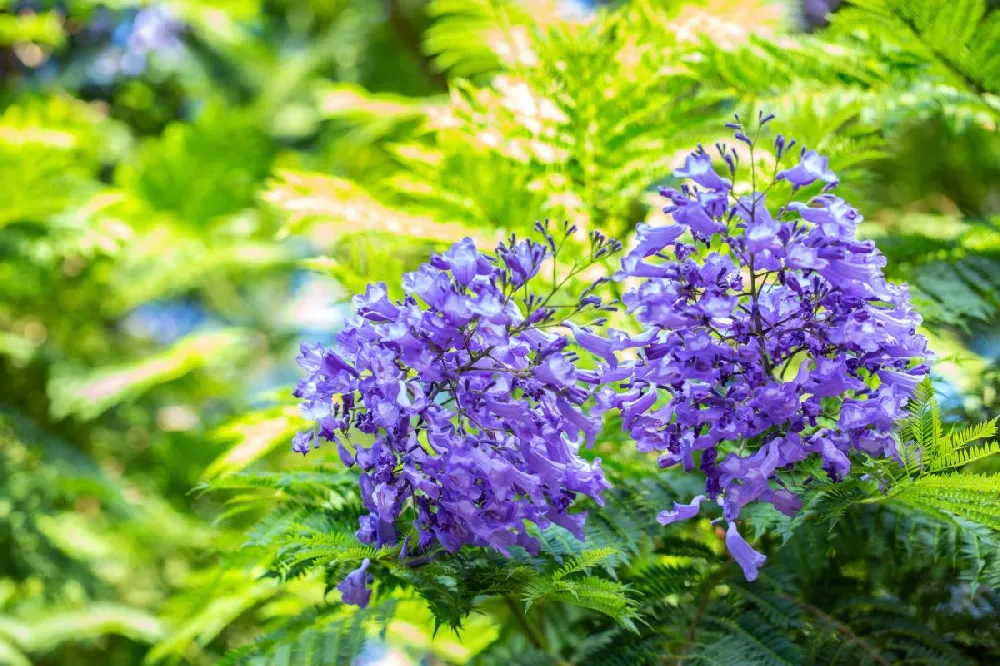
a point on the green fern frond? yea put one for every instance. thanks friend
(965, 495)
(200, 172)
(252, 436)
(977, 485)
(955, 292)
(948, 32)
(658, 582)
(305, 641)
(474, 38)
(50, 151)
(291, 483)
(44, 634)
(962, 457)
(629, 515)
(88, 393)
(960, 438)
(320, 549)
(925, 449)
(778, 609)
(557, 543)
(748, 635)
(605, 596)
(832, 501)
(586, 560)
(761, 68)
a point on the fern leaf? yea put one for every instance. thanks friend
(974, 497)
(586, 560)
(604, 596)
(305, 641)
(963, 457)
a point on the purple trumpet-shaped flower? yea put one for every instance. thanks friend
(354, 588)
(698, 167)
(375, 304)
(303, 442)
(744, 554)
(811, 167)
(651, 240)
(463, 259)
(786, 502)
(681, 511)
(599, 345)
(761, 228)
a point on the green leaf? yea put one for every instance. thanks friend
(254, 435)
(88, 393)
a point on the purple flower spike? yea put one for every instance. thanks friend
(748, 558)
(769, 335)
(523, 260)
(354, 588)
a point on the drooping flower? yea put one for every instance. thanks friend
(744, 554)
(354, 588)
(773, 335)
(468, 397)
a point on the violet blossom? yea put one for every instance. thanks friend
(744, 554)
(772, 336)
(463, 404)
(769, 335)
(354, 588)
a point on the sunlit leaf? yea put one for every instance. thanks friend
(87, 394)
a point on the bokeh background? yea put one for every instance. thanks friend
(190, 189)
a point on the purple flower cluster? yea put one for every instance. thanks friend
(769, 335)
(773, 335)
(472, 406)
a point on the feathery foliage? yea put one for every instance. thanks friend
(169, 232)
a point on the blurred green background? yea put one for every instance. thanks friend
(190, 189)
